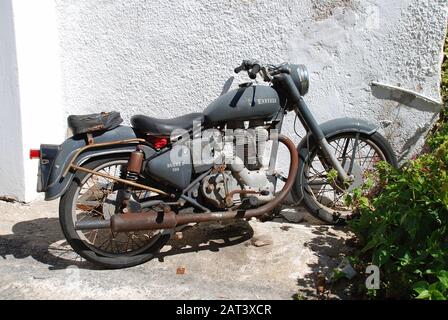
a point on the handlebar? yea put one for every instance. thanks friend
(247, 65)
(253, 68)
(239, 69)
(254, 71)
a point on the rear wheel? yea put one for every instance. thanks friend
(94, 197)
(358, 153)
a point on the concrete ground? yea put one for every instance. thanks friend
(242, 260)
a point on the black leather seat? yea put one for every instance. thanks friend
(164, 127)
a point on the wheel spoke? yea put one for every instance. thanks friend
(91, 202)
(362, 153)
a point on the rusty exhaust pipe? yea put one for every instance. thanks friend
(150, 220)
(168, 219)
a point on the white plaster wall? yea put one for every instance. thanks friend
(30, 93)
(12, 181)
(39, 81)
(165, 58)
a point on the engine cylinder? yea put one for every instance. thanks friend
(250, 145)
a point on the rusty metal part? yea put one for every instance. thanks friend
(92, 224)
(210, 188)
(89, 138)
(219, 168)
(97, 145)
(229, 197)
(135, 161)
(143, 221)
(131, 183)
(168, 219)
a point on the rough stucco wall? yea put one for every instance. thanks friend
(165, 58)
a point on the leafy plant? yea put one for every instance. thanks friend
(403, 229)
(434, 291)
(403, 224)
(332, 176)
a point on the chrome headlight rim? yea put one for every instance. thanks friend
(301, 77)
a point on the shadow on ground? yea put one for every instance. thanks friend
(209, 236)
(43, 240)
(330, 248)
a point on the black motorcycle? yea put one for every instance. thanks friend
(125, 190)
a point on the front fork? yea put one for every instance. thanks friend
(310, 124)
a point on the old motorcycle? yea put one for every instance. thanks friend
(125, 190)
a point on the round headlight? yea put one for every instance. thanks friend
(301, 78)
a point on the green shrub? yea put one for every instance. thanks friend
(402, 227)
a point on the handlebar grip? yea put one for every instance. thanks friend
(253, 72)
(239, 69)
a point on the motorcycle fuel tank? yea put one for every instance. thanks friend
(244, 103)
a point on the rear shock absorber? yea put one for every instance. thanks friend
(132, 173)
(135, 164)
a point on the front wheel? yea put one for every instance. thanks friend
(94, 197)
(358, 153)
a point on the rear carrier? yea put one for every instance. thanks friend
(78, 124)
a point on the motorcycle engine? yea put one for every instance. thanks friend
(215, 187)
(243, 174)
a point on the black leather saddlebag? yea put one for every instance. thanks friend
(94, 122)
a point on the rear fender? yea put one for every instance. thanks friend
(54, 183)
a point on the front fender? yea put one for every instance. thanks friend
(56, 184)
(337, 126)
